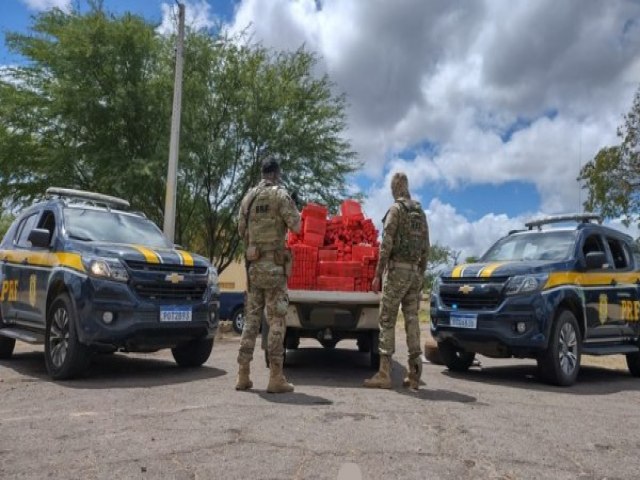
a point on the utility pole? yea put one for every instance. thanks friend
(174, 143)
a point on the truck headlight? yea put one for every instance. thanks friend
(110, 268)
(521, 284)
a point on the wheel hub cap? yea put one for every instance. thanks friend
(59, 337)
(568, 351)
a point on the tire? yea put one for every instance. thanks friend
(364, 344)
(65, 357)
(194, 353)
(237, 320)
(633, 362)
(291, 342)
(6, 347)
(374, 353)
(329, 344)
(456, 359)
(560, 363)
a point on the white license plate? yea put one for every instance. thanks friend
(463, 320)
(175, 314)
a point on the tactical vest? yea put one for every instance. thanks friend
(266, 230)
(411, 235)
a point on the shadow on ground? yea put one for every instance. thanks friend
(113, 371)
(591, 380)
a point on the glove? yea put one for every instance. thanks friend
(296, 198)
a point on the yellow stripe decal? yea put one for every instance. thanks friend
(186, 257)
(149, 255)
(489, 269)
(592, 279)
(457, 272)
(44, 259)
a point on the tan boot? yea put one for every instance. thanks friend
(277, 381)
(382, 379)
(243, 382)
(414, 372)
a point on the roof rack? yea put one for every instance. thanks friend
(569, 217)
(96, 198)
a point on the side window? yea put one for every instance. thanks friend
(593, 244)
(48, 222)
(635, 249)
(619, 253)
(25, 228)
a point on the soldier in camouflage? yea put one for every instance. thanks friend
(266, 212)
(403, 260)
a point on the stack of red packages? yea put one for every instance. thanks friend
(337, 253)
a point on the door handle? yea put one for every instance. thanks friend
(613, 282)
(25, 262)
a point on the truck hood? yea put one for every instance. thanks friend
(504, 269)
(140, 253)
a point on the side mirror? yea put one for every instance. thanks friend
(40, 237)
(595, 260)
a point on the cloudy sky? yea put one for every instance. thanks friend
(490, 106)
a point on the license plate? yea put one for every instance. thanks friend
(463, 320)
(175, 314)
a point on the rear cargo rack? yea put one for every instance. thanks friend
(570, 217)
(89, 197)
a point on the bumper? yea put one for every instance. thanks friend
(136, 324)
(495, 334)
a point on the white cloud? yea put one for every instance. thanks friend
(198, 15)
(40, 5)
(460, 75)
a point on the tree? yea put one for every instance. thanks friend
(91, 110)
(471, 259)
(5, 223)
(612, 177)
(439, 257)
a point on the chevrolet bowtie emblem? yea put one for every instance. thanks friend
(466, 289)
(174, 278)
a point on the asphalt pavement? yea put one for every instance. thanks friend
(142, 417)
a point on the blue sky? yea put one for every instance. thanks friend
(490, 107)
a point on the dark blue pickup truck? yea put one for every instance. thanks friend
(232, 308)
(549, 294)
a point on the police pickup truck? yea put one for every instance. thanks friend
(81, 274)
(552, 294)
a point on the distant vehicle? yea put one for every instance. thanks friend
(81, 274)
(232, 308)
(550, 294)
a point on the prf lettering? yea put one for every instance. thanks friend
(9, 291)
(630, 310)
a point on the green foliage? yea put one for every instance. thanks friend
(612, 177)
(439, 257)
(91, 110)
(5, 222)
(471, 259)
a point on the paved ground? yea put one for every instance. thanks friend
(142, 417)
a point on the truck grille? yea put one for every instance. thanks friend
(157, 291)
(484, 294)
(465, 302)
(165, 268)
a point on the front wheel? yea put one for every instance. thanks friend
(237, 320)
(194, 353)
(456, 359)
(633, 362)
(6, 347)
(64, 355)
(560, 363)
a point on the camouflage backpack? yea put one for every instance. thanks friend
(265, 229)
(411, 235)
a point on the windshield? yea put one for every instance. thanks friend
(548, 246)
(112, 227)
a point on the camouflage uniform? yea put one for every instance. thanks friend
(403, 260)
(272, 212)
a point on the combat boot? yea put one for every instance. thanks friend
(277, 382)
(382, 379)
(414, 372)
(243, 382)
